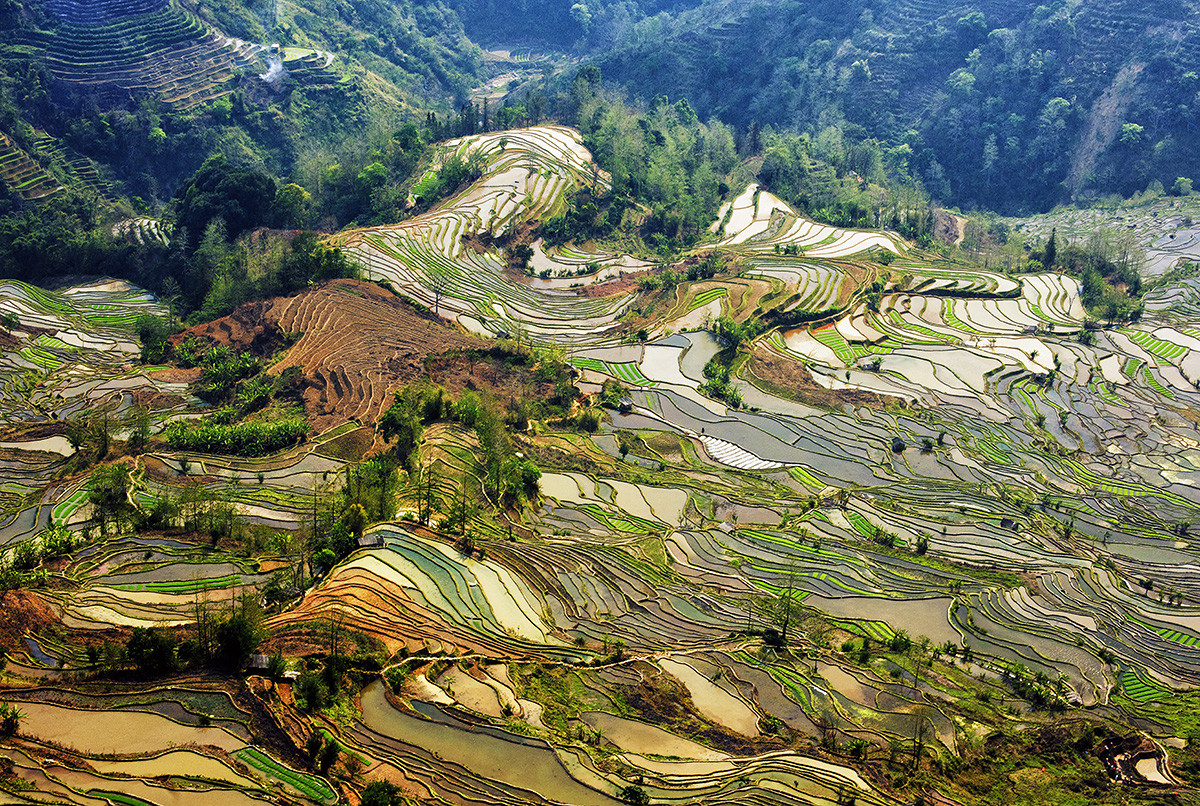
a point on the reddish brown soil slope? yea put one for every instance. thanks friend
(360, 343)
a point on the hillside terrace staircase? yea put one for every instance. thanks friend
(124, 49)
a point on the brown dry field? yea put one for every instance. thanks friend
(359, 344)
(856, 275)
(24, 612)
(792, 380)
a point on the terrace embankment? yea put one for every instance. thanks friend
(357, 344)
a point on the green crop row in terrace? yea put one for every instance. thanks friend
(1153, 383)
(1166, 350)
(63, 510)
(804, 477)
(831, 338)
(878, 630)
(628, 371)
(705, 297)
(1187, 639)
(184, 586)
(119, 797)
(1139, 688)
(953, 321)
(45, 360)
(308, 785)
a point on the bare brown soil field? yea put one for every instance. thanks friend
(856, 275)
(358, 344)
(175, 375)
(791, 380)
(24, 612)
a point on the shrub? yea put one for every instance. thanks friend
(10, 719)
(243, 439)
(634, 795)
(589, 421)
(152, 651)
(382, 793)
(311, 689)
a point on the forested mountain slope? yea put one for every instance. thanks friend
(993, 104)
(149, 89)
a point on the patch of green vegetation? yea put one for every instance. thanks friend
(119, 797)
(308, 785)
(241, 439)
(561, 692)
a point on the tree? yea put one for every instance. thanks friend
(439, 282)
(138, 424)
(236, 639)
(153, 333)
(152, 651)
(1182, 186)
(401, 425)
(92, 433)
(1131, 134)
(634, 795)
(355, 520)
(312, 747)
(10, 719)
(241, 198)
(329, 756)
(312, 691)
(782, 610)
(293, 207)
(108, 493)
(461, 511)
(276, 666)
(921, 726)
(382, 793)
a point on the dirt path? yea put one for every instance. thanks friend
(960, 226)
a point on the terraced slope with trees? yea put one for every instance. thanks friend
(119, 52)
(149, 91)
(21, 173)
(789, 513)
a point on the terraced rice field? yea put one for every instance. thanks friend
(154, 49)
(22, 174)
(528, 173)
(89, 326)
(359, 344)
(952, 495)
(759, 222)
(1164, 228)
(196, 778)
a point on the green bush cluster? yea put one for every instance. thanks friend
(240, 439)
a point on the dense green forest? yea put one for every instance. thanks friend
(389, 63)
(1006, 106)
(587, 25)
(229, 228)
